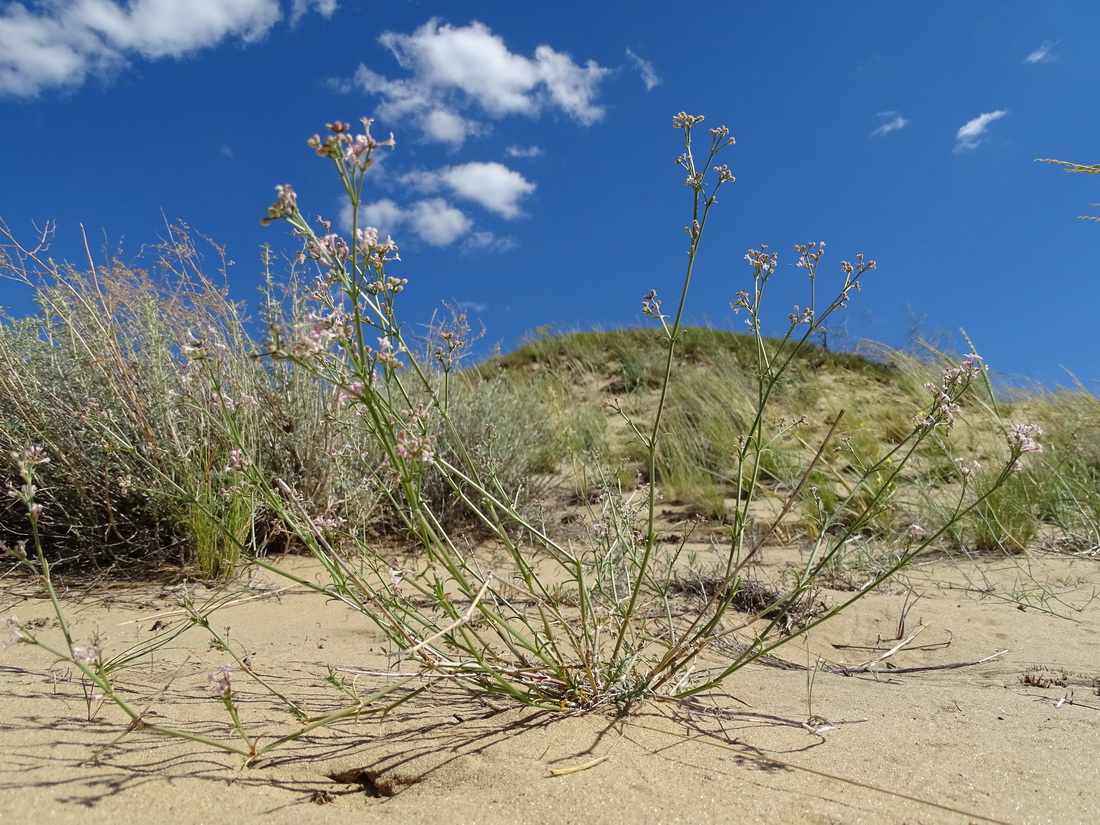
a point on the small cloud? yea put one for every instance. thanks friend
(384, 215)
(434, 221)
(475, 307)
(646, 70)
(447, 126)
(227, 151)
(488, 243)
(299, 8)
(894, 123)
(492, 185)
(523, 151)
(970, 134)
(437, 223)
(1043, 54)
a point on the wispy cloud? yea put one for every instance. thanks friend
(523, 151)
(483, 243)
(62, 42)
(1043, 54)
(971, 133)
(300, 8)
(646, 70)
(384, 215)
(893, 123)
(454, 69)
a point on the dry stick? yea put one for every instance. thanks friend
(895, 648)
(767, 760)
(461, 620)
(578, 768)
(875, 670)
(589, 764)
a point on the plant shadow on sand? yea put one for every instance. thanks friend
(988, 739)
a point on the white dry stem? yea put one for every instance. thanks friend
(578, 768)
(895, 648)
(461, 620)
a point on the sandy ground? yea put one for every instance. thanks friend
(958, 745)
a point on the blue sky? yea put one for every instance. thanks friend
(533, 180)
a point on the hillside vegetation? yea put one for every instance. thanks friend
(142, 395)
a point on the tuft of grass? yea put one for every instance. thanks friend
(144, 390)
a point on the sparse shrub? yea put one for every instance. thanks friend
(145, 393)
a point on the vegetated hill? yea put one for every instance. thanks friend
(713, 398)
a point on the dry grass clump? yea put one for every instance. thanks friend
(144, 390)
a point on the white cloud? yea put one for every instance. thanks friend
(455, 68)
(523, 151)
(486, 242)
(446, 126)
(437, 223)
(300, 8)
(573, 88)
(384, 215)
(492, 185)
(970, 134)
(894, 123)
(646, 70)
(434, 221)
(1043, 54)
(62, 42)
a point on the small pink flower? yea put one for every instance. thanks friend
(16, 635)
(85, 654)
(284, 207)
(36, 455)
(221, 681)
(238, 461)
(415, 447)
(1022, 437)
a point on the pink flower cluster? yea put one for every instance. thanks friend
(285, 206)
(221, 681)
(953, 382)
(353, 150)
(416, 447)
(1021, 438)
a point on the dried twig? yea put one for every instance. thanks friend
(848, 671)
